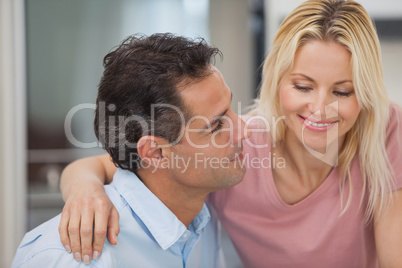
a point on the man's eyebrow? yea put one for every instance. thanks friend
(218, 117)
(215, 120)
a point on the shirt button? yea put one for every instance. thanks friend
(186, 235)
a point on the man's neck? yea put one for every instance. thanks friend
(185, 202)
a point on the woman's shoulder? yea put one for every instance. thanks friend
(395, 108)
(395, 121)
(395, 112)
(393, 143)
(259, 128)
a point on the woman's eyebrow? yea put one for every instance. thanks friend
(312, 80)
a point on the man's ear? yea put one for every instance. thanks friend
(149, 149)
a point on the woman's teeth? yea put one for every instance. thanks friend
(316, 124)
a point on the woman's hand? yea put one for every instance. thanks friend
(87, 217)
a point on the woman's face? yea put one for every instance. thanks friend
(317, 97)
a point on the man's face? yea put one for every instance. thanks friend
(209, 156)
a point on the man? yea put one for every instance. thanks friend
(163, 115)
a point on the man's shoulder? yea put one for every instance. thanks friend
(42, 245)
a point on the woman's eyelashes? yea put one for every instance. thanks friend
(302, 88)
(338, 93)
(343, 93)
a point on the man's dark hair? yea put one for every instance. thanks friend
(140, 86)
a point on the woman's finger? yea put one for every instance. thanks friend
(74, 230)
(86, 230)
(101, 216)
(113, 226)
(63, 229)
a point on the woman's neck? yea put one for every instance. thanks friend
(311, 168)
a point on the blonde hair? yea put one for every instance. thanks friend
(347, 23)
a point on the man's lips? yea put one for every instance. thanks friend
(317, 125)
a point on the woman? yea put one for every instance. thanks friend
(333, 202)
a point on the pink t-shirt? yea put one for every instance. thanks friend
(267, 232)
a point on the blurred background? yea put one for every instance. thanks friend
(51, 55)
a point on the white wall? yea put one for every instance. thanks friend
(12, 129)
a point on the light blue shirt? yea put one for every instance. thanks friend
(150, 235)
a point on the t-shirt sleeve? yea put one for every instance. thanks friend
(393, 145)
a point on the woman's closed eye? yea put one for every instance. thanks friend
(342, 93)
(302, 87)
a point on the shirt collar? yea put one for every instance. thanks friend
(201, 220)
(164, 226)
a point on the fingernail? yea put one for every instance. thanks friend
(95, 255)
(86, 259)
(77, 256)
(67, 247)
